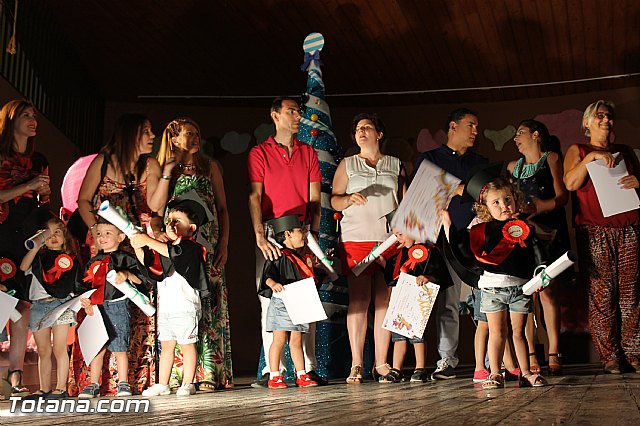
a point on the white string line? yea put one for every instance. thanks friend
(406, 92)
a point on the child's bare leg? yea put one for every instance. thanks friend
(510, 361)
(497, 322)
(518, 322)
(60, 333)
(480, 344)
(43, 342)
(166, 360)
(96, 366)
(399, 351)
(530, 331)
(189, 361)
(295, 346)
(275, 351)
(122, 361)
(421, 354)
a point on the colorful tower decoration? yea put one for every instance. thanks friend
(316, 130)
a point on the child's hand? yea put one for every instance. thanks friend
(121, 276)
(421, 280)
(138, 240)
(3, 288)
(381, 261)
(277, 288)
(445, 218)
(86, 304)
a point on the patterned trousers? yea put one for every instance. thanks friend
(610, 257)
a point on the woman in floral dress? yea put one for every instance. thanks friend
(184, 169)
(129, 181)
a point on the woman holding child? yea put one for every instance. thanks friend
(608, 247)
(366, 187)
(184, 168)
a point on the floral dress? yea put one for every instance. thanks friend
(214, 343)
(142, 369)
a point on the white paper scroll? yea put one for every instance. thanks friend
(8, 310)
(543, 277)
(410, 307)
(317, 251)
(612, 197)
(373, 255)
(430, 192)
(122, 223)
(92, 336)
(132, 293)
(74, 304)
(38, 239)
(302, 302)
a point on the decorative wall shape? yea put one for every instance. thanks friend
(426, 141)
(234, 142)
(500, 137)
(263, 131)
(566, 126)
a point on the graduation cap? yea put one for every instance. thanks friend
(285, 223)
(192, 202)
(479, 177)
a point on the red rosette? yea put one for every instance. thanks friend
(417, 253)
(516, 232)
(308, 259)
(62, 264)
(7, 269)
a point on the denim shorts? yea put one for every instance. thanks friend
(39, 308)
(181, 327)
(117, 321)
(278, 318)
(395, 337)
(477, 298)
(498, 299)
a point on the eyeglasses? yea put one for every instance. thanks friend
(602, 115)
(365, 128)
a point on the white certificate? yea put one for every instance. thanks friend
(410, 307)
(430, 192)
(7, 307)
(74, 304)
(92, 335)
(302, 302)
(612, 197)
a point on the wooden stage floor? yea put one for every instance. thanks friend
(584, 396)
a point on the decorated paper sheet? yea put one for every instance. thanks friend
(410, 307)
(419, 212)
(612, 197)
(302, 302)
(7, 309)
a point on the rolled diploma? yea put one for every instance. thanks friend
(111, 214)
(551, 271)
(132, 293)
(375, 253)
(38, 239)
(315, 248)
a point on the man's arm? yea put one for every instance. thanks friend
(269, 251)
(314, 206)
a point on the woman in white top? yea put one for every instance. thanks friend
(367, 187)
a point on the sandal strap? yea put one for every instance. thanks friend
(557, 355)
(386, 364)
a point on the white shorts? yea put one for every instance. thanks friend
(178, 326)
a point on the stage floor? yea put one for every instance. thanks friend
(583, 396)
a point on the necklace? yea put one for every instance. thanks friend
(523, 171)
(190, 166)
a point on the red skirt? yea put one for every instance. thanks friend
(352, 252)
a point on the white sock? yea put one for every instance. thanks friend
(273, 374)
(300, 373)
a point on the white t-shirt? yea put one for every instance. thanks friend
(175, 295)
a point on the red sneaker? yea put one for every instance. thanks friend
(305, 381)
(277, 383)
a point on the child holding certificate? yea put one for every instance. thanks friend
(503, 246)
(182, 279)
(425, 262)
(287, 269)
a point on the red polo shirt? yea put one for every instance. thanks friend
(285, 179)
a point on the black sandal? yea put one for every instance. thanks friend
(19, 389)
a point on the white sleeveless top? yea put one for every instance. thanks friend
(380, 186)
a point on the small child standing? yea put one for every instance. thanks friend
(287, 269)
(53, 272)
(503, 246)
(425, 262)
(180, 271)
(113, 304)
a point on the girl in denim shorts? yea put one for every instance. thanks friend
(53, 270)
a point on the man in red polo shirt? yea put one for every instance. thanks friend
(285, 179)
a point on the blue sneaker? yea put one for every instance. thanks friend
(90, 391)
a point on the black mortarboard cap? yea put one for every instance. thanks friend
(479, 176)
(191, 201)
(285, 223)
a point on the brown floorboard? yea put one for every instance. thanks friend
(584, 396)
